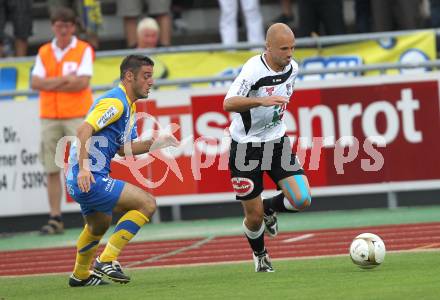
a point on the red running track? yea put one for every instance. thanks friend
(226, 249)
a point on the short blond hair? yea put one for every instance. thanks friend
(147, 23)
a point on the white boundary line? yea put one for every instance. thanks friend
(172, 253)
(299, 238)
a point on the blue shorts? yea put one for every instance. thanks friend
(102, 197)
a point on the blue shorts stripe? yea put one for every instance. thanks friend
(302, 187)
(128, 225)
(88, 247)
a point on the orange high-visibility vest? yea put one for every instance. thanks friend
(63, 105)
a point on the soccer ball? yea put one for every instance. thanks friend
(367, 250)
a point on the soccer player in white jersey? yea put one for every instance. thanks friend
(259, 96)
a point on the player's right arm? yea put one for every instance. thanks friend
(241, 104)
(237, 99)
(85, 177)
(107, 111)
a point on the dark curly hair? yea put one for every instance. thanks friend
(133, 63)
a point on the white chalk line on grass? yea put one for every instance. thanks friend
(299, 238)
(312, 257)
(195, 245)
(427, 246)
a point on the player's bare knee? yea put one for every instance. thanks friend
(98, 229)
(254, 220)
(298, 203)
(149, 206)
(306, 202)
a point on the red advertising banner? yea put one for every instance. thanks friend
(344, 135)
(353, 136)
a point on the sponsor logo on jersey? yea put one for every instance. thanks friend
(245, 86)
(107, 116)
(289, 89)
(242, 186)
(269, 90)
(272, 124)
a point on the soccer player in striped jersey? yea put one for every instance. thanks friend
(110, 128)
(259, 96)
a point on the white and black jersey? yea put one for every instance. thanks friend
(257, 79)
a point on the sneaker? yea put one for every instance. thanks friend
(271, 224)
(112, 270)
(53, 226)
(94, 279)
(262, 262)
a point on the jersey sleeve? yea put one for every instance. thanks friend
(134, 134)
(38, 69)
(86, 66)
(106, 112)
(243, 83)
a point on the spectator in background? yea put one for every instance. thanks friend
(130, 10)
(228, 21)
(147, 33)
(316, 13)
(89, 16)
(19, 13)
(62, 73)
(391, 15)
(286, 16)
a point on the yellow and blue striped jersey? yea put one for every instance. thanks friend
(112, 117)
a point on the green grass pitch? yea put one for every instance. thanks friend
(402, 276)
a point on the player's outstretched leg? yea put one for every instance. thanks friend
(254, 227)
(140, 206)
(294, 198)
(125, 230)
(296, 189)
(87, 245)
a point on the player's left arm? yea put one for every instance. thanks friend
(138, 147)
(237, 99)
(141, 147)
